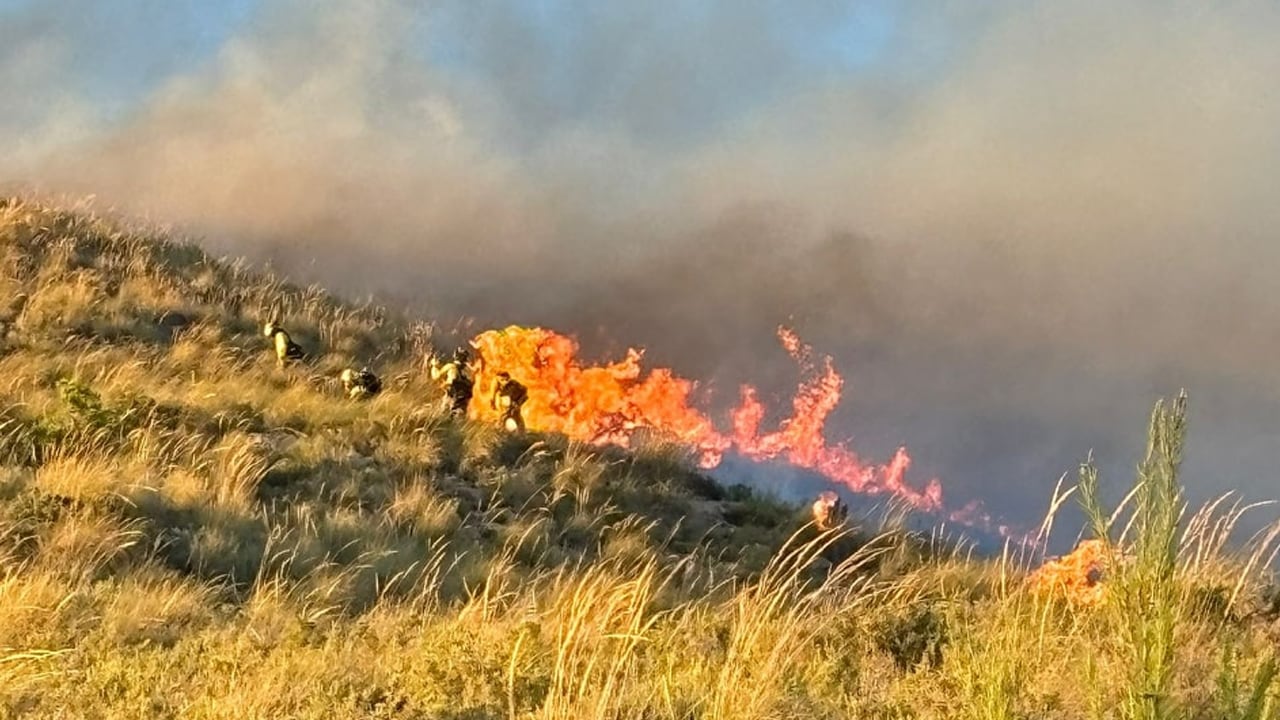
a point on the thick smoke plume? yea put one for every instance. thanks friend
(1015, 225)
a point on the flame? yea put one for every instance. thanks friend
(603, 404)
(1076, 576)
(609, 403)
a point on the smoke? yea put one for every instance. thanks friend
(1014, 225)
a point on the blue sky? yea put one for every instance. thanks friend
(115, 55)
(118, 53)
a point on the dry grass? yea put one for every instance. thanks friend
(187, 531)
(423, 510)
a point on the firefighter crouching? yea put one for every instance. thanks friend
(829, 511)
(508, 396)
(287, 350)
(454, 377)
(360, 384)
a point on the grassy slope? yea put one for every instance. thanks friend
(187, 531)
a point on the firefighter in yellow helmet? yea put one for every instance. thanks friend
(287, 350)
(360, 384)
(454, 377)
(829, 511)
(509, 396)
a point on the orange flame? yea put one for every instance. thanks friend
(1076, 576)
(609, 403)
(604, 404)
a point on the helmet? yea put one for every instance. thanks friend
(461, 355)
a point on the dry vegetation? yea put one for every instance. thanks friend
(188, 531)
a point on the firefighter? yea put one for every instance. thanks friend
(508, 396)
(287, 350)
(829, 511)
(454, 377)
(360, 383)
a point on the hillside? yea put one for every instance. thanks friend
(187, 530)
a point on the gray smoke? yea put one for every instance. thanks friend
(1015, 225)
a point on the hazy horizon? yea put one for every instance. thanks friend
(1014, 225)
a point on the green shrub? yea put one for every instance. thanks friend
(917, 634)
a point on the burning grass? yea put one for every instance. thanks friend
(614, 402)
(187, 531)
(1077, 577)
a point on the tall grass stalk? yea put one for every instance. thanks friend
(1143, 595)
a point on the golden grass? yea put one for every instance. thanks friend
(422, 509)
(207, 536)
(87, 478)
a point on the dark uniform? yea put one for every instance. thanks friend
(454, 378)
(508, 396)
(286, 349)
(360, 383)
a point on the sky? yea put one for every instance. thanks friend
(1015, 225)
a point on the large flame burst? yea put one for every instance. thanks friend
(610, 403)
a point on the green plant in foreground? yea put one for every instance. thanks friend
(1144, 595)
(1237, 701)
(1142, 573)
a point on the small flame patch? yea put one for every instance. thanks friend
(1077, 576)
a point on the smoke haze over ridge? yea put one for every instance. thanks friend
(1013, 224)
